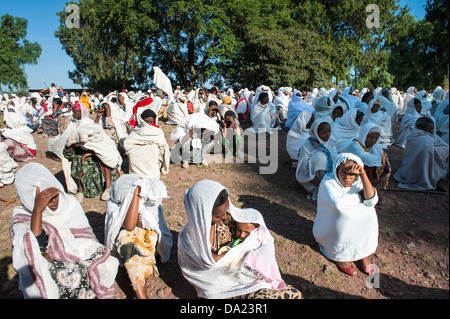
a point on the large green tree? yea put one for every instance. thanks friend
(420, 56)
(15, 52)
(105, 47)
(357, 46)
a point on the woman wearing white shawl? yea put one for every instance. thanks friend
(410, 94)
(333, 94)
(346, 128)
(198, 100)
(192, 138)
(4, 102)
(397, 99)
(440, 108)
(296, 105)
(94, 159)
(347, 97)
(298, 134)
(426, 103)
(384, 96)
(346, 224)
(438, 96)
(19, 138)
(376, 163)
(255, 99)
(322, 107)
(312, 95)
(413, 112)
(135, 228)
(281, 102)
(425, 160)
(113, 123)
(264, 115)
(55, 251)
(7, 166)
(246, 270)
(178, 110)
(316, 157)
(322, 92)
(374, 115)
(147, 148)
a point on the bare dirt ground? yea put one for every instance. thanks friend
(413, 251)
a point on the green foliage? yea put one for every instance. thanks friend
(105, 48)
(420, 56)
(15, 52)
(293, 57)
(300, 43)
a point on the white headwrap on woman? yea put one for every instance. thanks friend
(143, 149)
(245, 268)
(346, 225)
(69, 234)
(153, 191)
(322, 109)
(313, 159)
(19, 131)
(383, 121)
(407, 124)
(372, 158)
(7, 166)
(345, 129)
(295, 106)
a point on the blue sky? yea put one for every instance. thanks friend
(54, 63)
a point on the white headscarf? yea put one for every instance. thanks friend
(298, 134)
(245, 268)
(373, 158)
(153, 191)
(70, 238)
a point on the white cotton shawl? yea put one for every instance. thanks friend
(231, 275)
(296, 105)
(153, 191)
(391, 108)
(321, 107)
(407, 124)
(119, 119)
(440, 108)
(7, 166)
(322, 92)
(383, 121)
(261, 117)
(90, 136)
(346, 225)
(298, 134)
(69, 234)
(311, 160)
(425, 161)
(195, 121)
(143, 149)
(373, 158)
(345, 130)
(426, 102)
(281, 99)
(348, 99)
(161, 81)
(177, 110)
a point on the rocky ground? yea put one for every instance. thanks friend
(413, 251)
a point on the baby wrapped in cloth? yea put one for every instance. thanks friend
(244, 269)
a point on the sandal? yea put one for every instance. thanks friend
(350, 270)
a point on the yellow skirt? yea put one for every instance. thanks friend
(137, 249)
